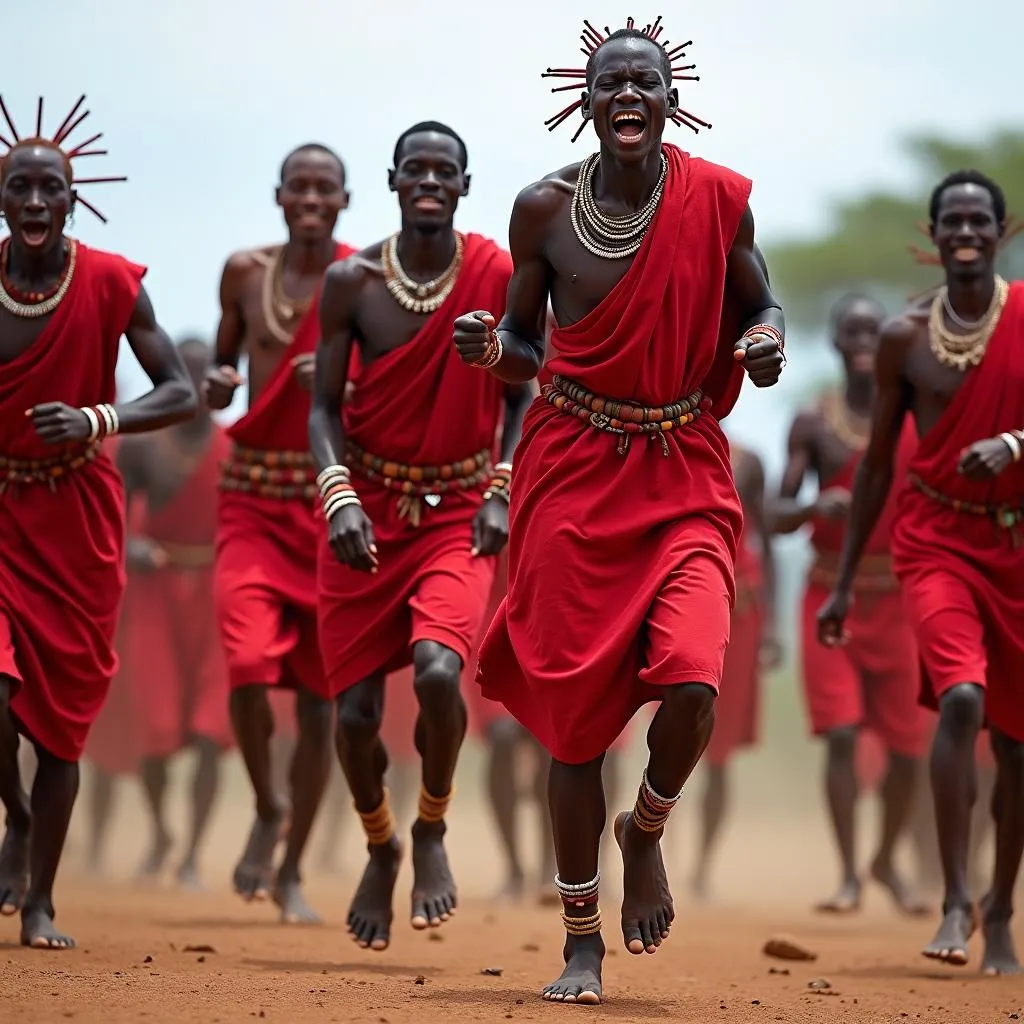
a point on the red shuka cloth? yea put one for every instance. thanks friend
(62, 569)
(963, 576)
(265, 572)
(621, 567)
(737, 709)
(172, 643)
(421, 405)
(873, 679)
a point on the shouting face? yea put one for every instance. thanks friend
(36, 196)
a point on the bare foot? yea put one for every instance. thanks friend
(647, 911)
(188, 878)
(1000, 955)
(846, 901)
(433, 889)
(39, 932)
(254, 873)
(156, 858)
(950, 942)
(580, 982)
(906, 902)
(370, 915)
(13, 870)
(294, 908)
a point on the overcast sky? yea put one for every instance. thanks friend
(200, 99)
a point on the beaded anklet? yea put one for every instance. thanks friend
(432, 809)
(578, 897)
(651, 810)
(379, 825)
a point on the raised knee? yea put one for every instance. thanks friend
(693, 701)
(962, 707)
(436, 680)
(842, 743)
(359, 714)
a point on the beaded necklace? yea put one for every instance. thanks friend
(35, 304)
(604, 235)
(416, 296)
(275, 304)
(841, 421)
(962, 351)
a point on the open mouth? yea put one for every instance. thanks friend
(966, 254)
(629, 125)
(34, 234)
(863, 362)
(428, 204)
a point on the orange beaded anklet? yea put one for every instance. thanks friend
(379, 825)
(432, 808)
(651, 810)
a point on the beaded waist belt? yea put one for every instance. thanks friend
(418, 484)
(270, 474)
(45, 471)
(1007, 515)
(188, 556)
(874, 574)
(622, 417)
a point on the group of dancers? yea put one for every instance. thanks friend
(394, 450)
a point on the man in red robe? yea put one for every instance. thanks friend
(416, 512)
(624, 515)
(172, 644)
(752, 647)
(63, 309)
(872, 681)
(954, 363)
(265, 569)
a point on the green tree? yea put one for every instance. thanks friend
(867, 247)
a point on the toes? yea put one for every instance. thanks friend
(589, 998)
(647, 938)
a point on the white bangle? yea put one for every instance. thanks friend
(1013, 444)
(94, 423)
(339, 502)
(110, 421)
(330, 475)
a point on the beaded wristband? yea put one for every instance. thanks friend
(493, 353)
(336, 504)
(94, 424)
(330, 475)
(1013, 444)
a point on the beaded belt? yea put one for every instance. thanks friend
(874, 574)
(622, 417)
(270, 474)
(45, 471)
(188, 556)
(1006, 516)
(419, 484)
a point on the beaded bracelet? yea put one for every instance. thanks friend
(332, 475)
(103, 421)
(493, 353)
(338, 502)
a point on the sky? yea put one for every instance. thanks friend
(199, 101)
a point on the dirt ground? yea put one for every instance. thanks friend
(133, 962)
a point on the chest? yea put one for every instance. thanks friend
(830, 454)
(382, 325)
(270, 314)
(582, 281)
(18, 334)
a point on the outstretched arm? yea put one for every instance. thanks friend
(747, 282)
(173, 398)
(349, 530)
(521, 330)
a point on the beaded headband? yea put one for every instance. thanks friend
(591, 40)
(59, 143)
(930, 258)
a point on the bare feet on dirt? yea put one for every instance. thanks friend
(647, 910)
(370, 914)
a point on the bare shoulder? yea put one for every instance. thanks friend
(548, 195)
(806, 426)
(901, 331)
(354, 270)
(240, 266)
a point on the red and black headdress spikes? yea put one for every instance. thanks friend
(930, 258)
(60, 142)
(591, 40)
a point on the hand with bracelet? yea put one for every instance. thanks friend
(349, 530)
(761, 349)
(490, 525)
(57, 423)
(477, 341)
(988, 458)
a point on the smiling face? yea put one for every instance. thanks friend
(966, 231)
(312, 195)
(629, 98)
(858, 332)
(36, 197)
(430, 179)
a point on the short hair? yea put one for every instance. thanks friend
(432, 126)
(842, 306)
(313, 147)
(968, 178)
(664, 60)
